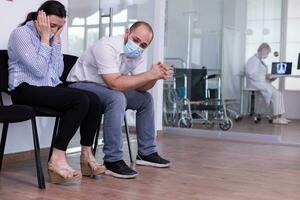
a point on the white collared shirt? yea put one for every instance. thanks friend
(106, 56)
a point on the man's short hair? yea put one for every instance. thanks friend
(142, 23)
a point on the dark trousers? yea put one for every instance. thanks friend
(79, 108)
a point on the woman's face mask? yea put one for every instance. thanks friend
(132, 50)
(265, 56)
(265, 53)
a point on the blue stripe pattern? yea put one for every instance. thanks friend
(32, 61)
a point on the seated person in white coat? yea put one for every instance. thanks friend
(258, 78)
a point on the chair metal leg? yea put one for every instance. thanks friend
(94, 148)
(39, 169)
(128, 139)
(252, 104)
(55, 130)
(3, 141)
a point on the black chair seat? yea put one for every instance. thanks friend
(15, 113)
(46, 112)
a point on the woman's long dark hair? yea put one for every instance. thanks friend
(50, 8)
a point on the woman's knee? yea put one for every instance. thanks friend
(81, 102)
(94, 102)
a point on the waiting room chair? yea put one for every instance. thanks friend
(15, 114)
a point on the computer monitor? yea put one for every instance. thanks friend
(281, 68)
(298, 66)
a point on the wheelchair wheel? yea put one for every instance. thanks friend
(226, 125)
(185, 122)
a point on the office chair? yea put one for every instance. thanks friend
(252, 93)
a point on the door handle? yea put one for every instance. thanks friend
(110, 16)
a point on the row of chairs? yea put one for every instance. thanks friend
(20, 113)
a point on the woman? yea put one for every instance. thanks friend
(35, 65)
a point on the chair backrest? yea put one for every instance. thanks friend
(69, 62)
(3, 71)
(196, 88)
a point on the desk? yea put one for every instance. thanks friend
(286, 76)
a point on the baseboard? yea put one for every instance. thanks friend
(160, 132)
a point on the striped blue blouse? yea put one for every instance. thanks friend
(31, 61)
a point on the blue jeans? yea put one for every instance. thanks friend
(115, 104)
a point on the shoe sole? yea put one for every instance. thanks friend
(111, 173)
(146, 163)
(57, 179)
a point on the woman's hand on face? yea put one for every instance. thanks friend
(57, 35)
(42, 24)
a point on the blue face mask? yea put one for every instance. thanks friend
(132, 50)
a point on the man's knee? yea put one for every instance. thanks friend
(147, 99)
(118, 100)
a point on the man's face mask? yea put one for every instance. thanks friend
(132, 50)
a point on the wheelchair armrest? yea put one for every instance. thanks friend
(212, 76)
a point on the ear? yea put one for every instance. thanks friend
(126, 35)
(127, 32)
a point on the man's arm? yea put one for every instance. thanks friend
(147, 86)
(120, 82)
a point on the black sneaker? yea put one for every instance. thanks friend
(153, 160)
(119, 169)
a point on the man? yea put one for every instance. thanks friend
(114, 68)
(258, 78)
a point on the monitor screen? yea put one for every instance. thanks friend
(281, 68)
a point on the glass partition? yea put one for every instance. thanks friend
(213, 42)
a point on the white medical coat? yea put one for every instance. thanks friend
(256, 71)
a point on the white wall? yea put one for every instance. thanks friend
(158, 54)
(19, 135)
